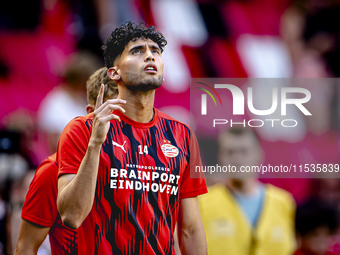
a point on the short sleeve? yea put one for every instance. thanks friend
(72, 145)
(193, 184)
(40, 206)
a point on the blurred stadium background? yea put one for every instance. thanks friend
(206, 38)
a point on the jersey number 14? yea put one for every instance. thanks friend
(145, 149)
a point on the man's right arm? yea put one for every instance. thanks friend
(76, 191)
(30, 238)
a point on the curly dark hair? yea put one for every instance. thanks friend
(115, 44)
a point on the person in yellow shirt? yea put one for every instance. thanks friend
(242, 216)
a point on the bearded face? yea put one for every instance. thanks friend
(141, 66)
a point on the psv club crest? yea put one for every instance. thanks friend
(169, 150)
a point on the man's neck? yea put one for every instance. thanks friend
(139, 104)
(244, 186)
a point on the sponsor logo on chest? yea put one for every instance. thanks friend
(169, 150)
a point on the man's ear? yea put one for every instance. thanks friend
(89, 108)
(113, 73)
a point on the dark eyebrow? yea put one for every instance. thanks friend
(138, 47)
(154, 47)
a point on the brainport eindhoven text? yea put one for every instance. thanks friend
(163, 182)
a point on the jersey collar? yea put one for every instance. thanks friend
(138, 124)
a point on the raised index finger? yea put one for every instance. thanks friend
(100, 96)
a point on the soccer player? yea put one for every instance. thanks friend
(124, 174)
(243, 216)
(40, 214)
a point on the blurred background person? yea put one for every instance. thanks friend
(5, 227)
(36, 221)
(217, 38)
(93, 85)
(68, 100)
(111, 13)
(316, 223)
(14, 166)
(312, 37)
(242, 215)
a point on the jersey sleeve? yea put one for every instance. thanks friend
(193, 184)
(40, 206)
(72, 145)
